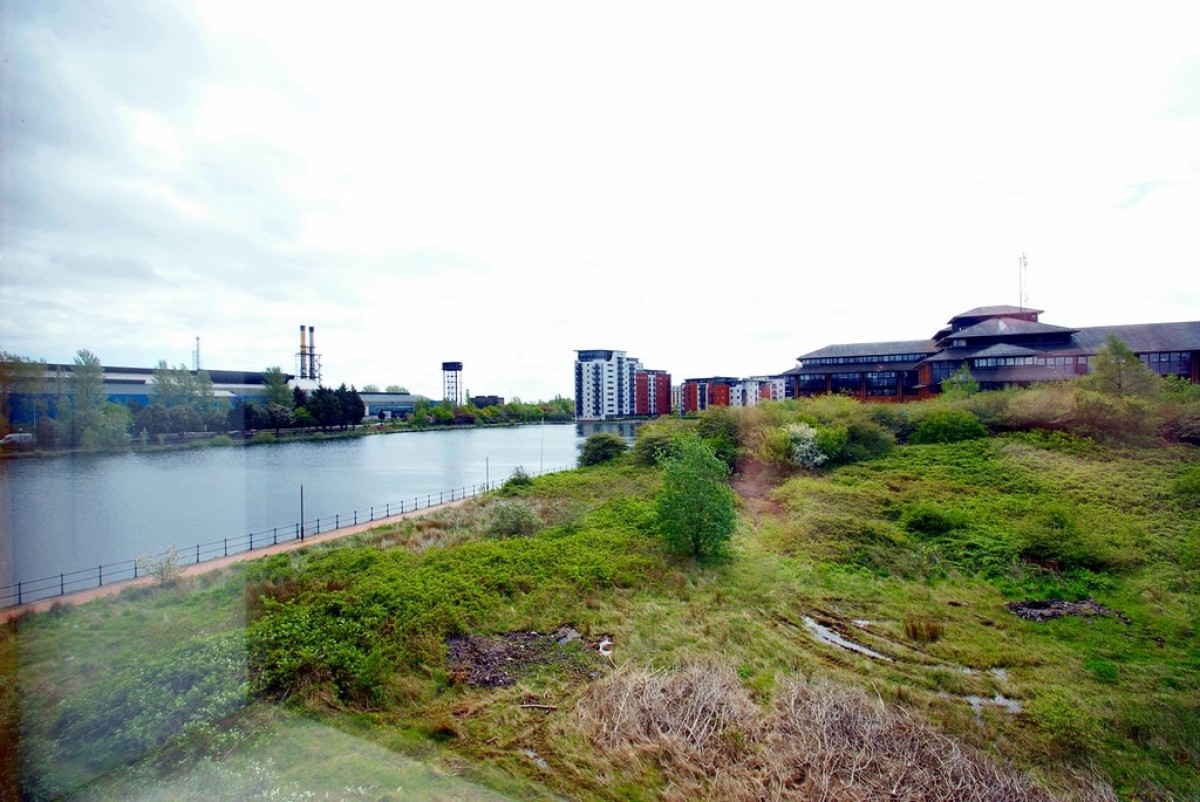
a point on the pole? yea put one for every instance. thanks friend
(302, 512)
(487, 474)
(542, 453)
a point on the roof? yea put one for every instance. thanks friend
(1144, 337)
(996, 311)
(868, 350)
(1009, 327)
(854, 367)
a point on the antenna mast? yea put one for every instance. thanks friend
(197, 355)
(1022, 280)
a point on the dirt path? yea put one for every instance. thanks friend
(81, 596)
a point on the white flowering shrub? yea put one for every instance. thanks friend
(805, 451)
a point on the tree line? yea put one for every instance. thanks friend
(72, 411)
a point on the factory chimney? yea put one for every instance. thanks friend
(303, 354)
(312, 354)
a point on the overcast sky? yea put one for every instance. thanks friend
(714, 188)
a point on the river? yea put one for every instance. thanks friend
(75, 513)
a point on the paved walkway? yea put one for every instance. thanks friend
(81, 596)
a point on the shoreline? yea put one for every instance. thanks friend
(195, 569)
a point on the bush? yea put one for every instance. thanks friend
(805, 450)
(514, 519)
(929, 520)
(221, 440)
(653, 443)
(601, 447)
(164, 567)
(947, 426)
(1187, 486)
(517, 481)
(262, 437)
(1114, 418)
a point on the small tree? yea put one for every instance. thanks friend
(695, 508)
(601, 447)
(1116, 370)
(960, 383)
(275, 388)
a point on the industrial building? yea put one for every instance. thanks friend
(126, 385)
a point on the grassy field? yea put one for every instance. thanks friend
(856, 640)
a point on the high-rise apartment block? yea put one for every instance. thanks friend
(610, 384)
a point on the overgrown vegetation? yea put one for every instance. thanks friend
(856, 642)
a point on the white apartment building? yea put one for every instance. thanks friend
(604, 384)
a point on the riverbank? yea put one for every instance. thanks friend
(111, 589)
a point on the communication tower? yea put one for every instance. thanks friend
(1023, 282)
(452, 382)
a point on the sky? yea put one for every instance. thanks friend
(714, 188)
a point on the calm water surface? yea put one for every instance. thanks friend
(74, 513)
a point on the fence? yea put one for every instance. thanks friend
(66, 582)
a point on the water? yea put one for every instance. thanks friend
(75, 513)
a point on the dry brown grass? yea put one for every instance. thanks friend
(817, 741)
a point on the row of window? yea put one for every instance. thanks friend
(853, 360)
(1043, 361)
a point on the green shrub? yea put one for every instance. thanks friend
(221, 440)
(1124, 419)
(1181, 423)
(1187, 486)
(262, 437)
(518, 481)
(930, 520)
(514, 519)
(653, 442)
(1052, 538)
(947, 426)
(601, 447)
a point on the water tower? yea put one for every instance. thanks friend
(452, 382)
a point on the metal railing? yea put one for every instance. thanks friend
(61, 584)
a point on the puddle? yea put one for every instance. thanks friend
(1000, 674)
(538, 760)
(977, 703)
(827, 635)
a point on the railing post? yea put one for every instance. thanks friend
(251, 541)
(226, 542)
(356, 517)
(134, 569)
(275, 536)
(62, 585)
(99, 576)
(19, 599)
(372, 513)
(197, 553)
(337, 520)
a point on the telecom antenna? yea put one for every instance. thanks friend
(1022, 281)
(197, 355)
